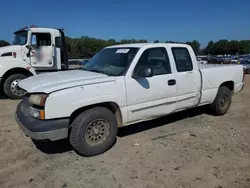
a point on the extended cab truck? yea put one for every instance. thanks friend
(122, 85)
(34, 51)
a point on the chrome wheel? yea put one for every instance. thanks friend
(15, 89)
(97, 132)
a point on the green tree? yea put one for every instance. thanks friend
(209, 48)
(4, 43)
(221, 47)
(195, 45)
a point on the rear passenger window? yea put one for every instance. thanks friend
(157, 59)
(182, 59)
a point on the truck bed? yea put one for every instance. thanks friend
(206, 66)
(213, 75)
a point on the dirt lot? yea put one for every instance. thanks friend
(189, 149)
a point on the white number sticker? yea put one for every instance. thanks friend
(122, 51)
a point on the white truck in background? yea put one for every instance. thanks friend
(122, 85)
(34, 51)
(201, 60)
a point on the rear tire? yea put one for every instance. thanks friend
(222, 102)
(93, 131)
(10, 86)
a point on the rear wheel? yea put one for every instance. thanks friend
(93, 131)
(11, 88)
(222, 102)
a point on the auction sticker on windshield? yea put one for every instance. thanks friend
(123, 51)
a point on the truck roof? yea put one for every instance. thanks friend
(140, 45)
(41, 29)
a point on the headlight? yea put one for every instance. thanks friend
(38, 99)
(37, 103)
(36, 113)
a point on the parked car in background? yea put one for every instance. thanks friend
(83, 63)
(246, 65)
(219, 60)
(201, 60)
(244, 57)
(235, 60)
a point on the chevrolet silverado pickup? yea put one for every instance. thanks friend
(122, 85)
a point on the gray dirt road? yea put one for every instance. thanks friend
(189, 149)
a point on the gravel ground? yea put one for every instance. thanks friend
(189, 149)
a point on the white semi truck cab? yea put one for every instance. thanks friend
(34, 50)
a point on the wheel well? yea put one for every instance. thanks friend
(16, 71)
(109, 105)
(229, 84)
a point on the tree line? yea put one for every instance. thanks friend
(86, 47)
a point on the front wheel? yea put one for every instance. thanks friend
(222, 102)
(93, 131)
(11, 88)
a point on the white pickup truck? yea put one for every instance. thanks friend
(122, 85)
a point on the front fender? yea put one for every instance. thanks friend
(7, 64)
(63, 103)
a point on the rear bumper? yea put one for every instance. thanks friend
(40, 129)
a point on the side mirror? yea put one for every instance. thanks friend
(143, 72)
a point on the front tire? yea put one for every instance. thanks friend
(11, 88)
(222, 102)
(93, 131)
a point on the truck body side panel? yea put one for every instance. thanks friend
(215, 75)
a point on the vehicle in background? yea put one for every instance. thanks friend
(119, 86)
(246, 65)
(219, 60)
(34, 51)
(243, 57)
(235, 59)
(83, 63)
(77, 63)
(202, 60)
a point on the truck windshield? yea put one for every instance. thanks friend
(111, 61)
(20, 38)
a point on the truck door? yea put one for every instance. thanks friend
(188, 78)
(152, 96)
(42, 55)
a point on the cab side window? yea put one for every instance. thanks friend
(43, 39)
(182, 59)
(156, 59)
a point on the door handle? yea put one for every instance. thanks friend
(171, 82)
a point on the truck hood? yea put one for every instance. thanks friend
(11, 48)
(49, 82)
